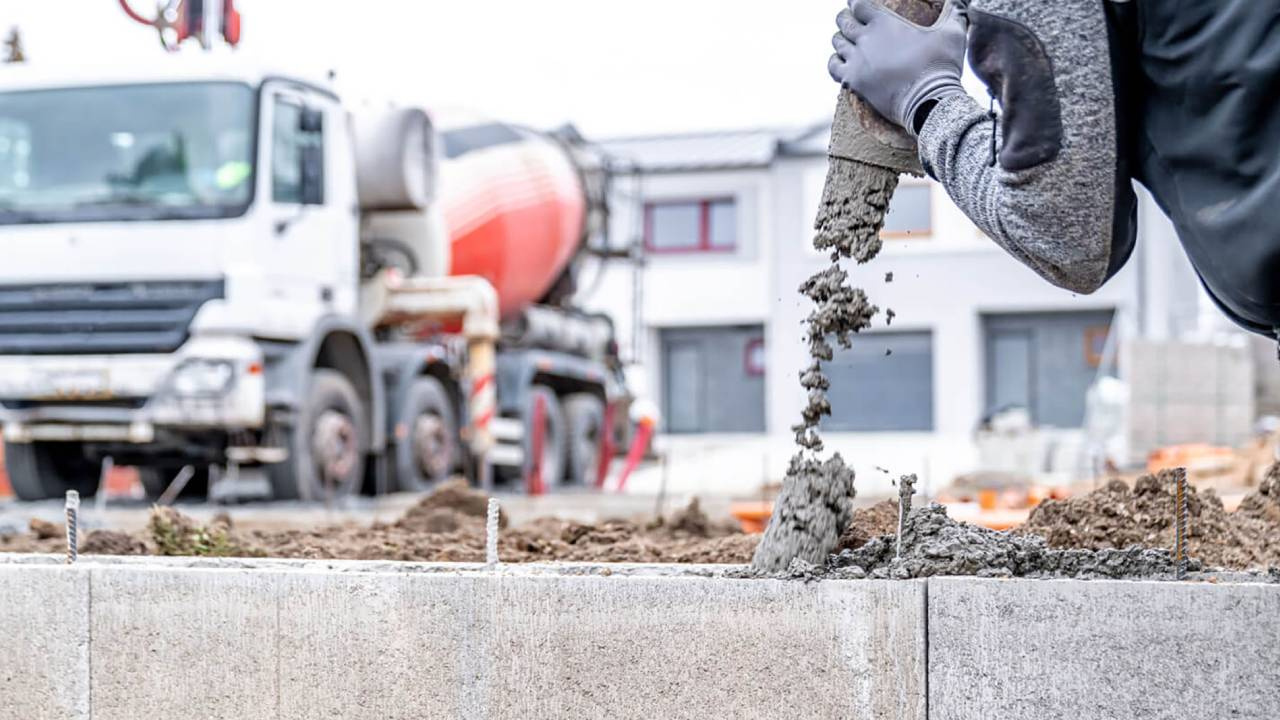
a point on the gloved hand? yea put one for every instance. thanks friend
(895, 65)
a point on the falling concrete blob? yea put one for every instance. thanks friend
(813, 510)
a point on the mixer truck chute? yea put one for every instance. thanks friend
(323, 350)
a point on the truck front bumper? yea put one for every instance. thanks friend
(210, 383)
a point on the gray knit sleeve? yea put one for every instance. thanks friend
(1048, 192)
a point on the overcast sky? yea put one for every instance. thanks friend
(612, 67)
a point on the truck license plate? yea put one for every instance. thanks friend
(75, 385)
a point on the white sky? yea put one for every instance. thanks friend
(612, 67)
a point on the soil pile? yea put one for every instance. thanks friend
(447, 509)
(869, 523)
(445, 526)
(937, 545)
(1116, 516)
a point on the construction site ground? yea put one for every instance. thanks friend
(448, 525)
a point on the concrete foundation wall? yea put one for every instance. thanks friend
(305, 641)
(161, 638)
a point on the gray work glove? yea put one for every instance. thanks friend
(895, 65)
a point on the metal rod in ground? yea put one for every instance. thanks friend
(660, 504)
(104, 476)
(1180, 522)
(491, 533)
(906, 488)
(176, 487)
(73, 525)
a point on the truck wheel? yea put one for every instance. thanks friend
(426, 437)
(554, 438)
(326, 445)
(43, 470)
(584, 415)
(155, 480)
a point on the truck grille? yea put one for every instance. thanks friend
(81, 318)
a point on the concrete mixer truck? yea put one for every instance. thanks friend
(215, 266)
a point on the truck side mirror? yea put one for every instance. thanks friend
(312, 174)
(310, 120)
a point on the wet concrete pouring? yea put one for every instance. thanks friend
(815, 504)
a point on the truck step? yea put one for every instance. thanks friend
(252, 454)
(507, 430)
(507, 455)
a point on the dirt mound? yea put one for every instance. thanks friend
(455, 498)
(112, 542)
(1115, 516)
(173, 533)
(45, 530)
(869, 523)
(1264, 504)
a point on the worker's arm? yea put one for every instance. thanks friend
(1051, 192)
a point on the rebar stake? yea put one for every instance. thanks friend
(73, 525)
(1180, 522)
(491, 534)
(906, 488)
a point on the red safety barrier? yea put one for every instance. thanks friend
(5, 489)
(644, 433)
(606, 446)
(535, 483)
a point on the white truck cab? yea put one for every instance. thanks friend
(178, 254)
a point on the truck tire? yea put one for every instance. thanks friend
(329, 433)
(44, 470)
(555, 438)
(584, 417)
(155, 480)
(426, 431)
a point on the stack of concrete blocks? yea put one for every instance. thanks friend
(1182, 393)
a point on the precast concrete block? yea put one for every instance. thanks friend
(387, 646)
(1102, 650)
(44, 641)
(683, 647)
(184, 642)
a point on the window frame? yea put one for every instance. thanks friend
(911, 234)
(704, 227)
(749, 365)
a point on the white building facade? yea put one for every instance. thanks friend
(714, 319)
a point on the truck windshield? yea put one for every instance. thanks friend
(134, 152)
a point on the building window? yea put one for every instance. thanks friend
(884, 383)
(693, 226)
(1034, 361)
(910, 212)
(710, 383)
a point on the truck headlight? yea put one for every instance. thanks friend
(202, 378)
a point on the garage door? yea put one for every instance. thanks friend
(883, 384)
(713, 380)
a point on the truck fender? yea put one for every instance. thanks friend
(336, 343)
